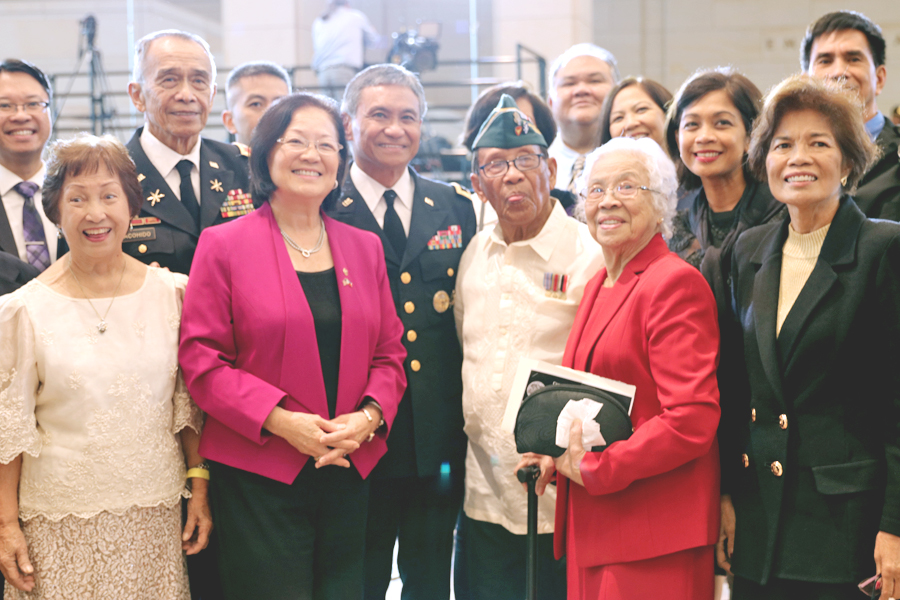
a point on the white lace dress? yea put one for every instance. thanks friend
(95, 417)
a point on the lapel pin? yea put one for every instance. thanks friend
(216, 185)
(346, 272)
(347, 282)
(347, 202)
(141, 177)
(214, 164)
(429, 201)
(155, 198)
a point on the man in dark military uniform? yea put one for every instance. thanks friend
(424, 225)
(189, 183)
(249, 90)
(847, 48)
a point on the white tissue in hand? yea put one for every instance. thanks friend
(586, 410)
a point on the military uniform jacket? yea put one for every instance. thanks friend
(820, 473)
(164, 231)
(878, 194)
(429, 423)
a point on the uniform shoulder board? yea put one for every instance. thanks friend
(244, 148)
(461, 190)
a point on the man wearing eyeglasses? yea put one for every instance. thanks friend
(517, 291)
(25, 231)
(189, 182)
(416, 489)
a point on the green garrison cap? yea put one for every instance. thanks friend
(508, 127)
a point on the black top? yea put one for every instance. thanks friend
(321, 291)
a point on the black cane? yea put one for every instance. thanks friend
(528, 475)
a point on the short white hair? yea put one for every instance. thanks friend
(143, 44)
(584, 49)
(660, 169)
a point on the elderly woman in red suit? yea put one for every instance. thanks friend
(639, 519)
(815, 503)
(291, 345)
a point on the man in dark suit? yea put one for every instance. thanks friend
(189, 182)
(848, 48)
(25, 231)
(424, 226)
(14, 273)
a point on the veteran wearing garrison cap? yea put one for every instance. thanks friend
(424, 225)
(189, 183)
(517, 291)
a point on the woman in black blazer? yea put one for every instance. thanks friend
(817, 300)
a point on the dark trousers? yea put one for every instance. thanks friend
(421, 512)
(491, 564)
(203, 567)
(303, 541)
(787, 589)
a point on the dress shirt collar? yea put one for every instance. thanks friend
(875, 125)
(164, 158)
(372, 191)
(545, 241)
(8, 179)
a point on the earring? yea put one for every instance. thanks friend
(59, 233)
(334, 187)
(844, 181)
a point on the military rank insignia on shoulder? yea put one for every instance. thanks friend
(462, 191)
(237, 204)
(446, 239)
(244, 148)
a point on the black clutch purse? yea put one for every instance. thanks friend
(536, 421)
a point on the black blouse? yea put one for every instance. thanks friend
(321, 291)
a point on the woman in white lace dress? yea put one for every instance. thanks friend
(96, 425)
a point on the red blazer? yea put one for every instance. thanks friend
(248, 341)
(657, 492)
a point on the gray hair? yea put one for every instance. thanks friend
(660, 169)
(252, 69)
(584, 49)
(387, 74)
(143, 44)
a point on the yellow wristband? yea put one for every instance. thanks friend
(198, 473)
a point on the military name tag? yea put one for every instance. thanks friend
(441, 301)
(141, 235)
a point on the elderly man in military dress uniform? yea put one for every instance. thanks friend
(424, 225)
(189, 182)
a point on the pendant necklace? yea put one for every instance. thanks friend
(102, 325)
(306, 253)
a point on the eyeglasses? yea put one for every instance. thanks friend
(299, 146)
(497, 168)
(33, 108)
(623, 191)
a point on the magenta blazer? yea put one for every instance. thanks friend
(248, 342)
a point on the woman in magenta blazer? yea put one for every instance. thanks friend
(639, 519)
(291, 345)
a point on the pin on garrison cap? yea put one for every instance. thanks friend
(508, 127)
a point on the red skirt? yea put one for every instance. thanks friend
(684, 575)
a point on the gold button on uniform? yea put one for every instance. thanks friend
(411, 335)
(409, 307)
(415, 365)
(450, 272)
(777, 469)
(746, 460)
(782, 421)
(753, 414)
(142, 248)
(405, 277)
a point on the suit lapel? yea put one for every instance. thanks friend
(837, 249)
(426, 220)
(765, 302)
(159, 199)
(621, 290)
(214, 185)
(353, 210)
(7, 241)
